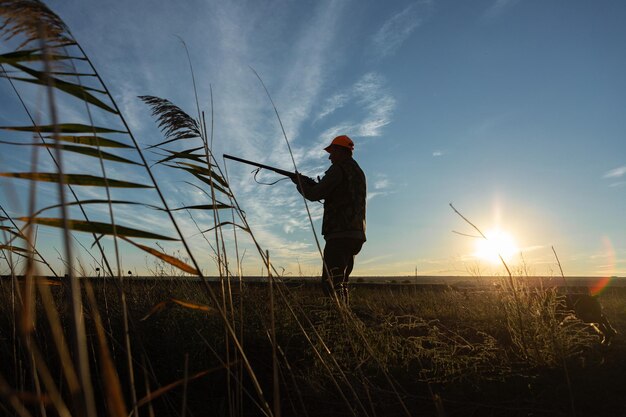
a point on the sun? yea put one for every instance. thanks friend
(498, 244)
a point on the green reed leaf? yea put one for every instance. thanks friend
(73, 179)
(95, 227)
(13, 231)
(83, 140)
(62, 128)
(75, 90)
(89, 202)
(92, 141)
(14, 249)
(205, 171)
(93, 152)
(32, 55)
(166, 258)
(209, 182)
(195, 169)
(22, 253)
(188, 154)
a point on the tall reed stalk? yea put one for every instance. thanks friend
(21, 18)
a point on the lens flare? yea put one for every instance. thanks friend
(498, 244)
(598, 286)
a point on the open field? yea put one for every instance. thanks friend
(401, 350)
(456, 281)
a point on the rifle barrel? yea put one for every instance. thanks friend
(256, 164)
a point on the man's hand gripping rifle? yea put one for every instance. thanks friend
(296, 177)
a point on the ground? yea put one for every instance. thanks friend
(401, 349)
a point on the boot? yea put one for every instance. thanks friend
(343, 294)
(327, 288)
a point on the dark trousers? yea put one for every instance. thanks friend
(339, 260)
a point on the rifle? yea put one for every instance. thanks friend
(292, 175)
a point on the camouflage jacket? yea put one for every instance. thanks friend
(344, 191)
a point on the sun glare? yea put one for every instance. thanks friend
(498, 243)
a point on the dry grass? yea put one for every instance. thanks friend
(450, 341)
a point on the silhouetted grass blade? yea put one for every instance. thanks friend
(97, 201)
(63, 128)
(83, 140)
(193, 306)
(216, 206)
(14, 249)
(245, 229)
(163, 390)
(13, 231)
(73, 179)
(188, 154)
(207, 181)
(166, 258)
(93, 141)
(159, 307)
(75, 90)
(112, 384)
(93, 152)
(31, 55)
(95, 227)
(204, 171)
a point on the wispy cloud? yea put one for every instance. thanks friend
(132, 107)
(312, 53)
(380, 104)
(498, 7)
(333, 103)
(399, 27)
(616, 173)
(371, 99)
(245, 119)
(437, 153)
(380, 186)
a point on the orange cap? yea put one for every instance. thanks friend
(343, 141)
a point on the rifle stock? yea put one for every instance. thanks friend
(256, 164)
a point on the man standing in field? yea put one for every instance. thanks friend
(343, 190)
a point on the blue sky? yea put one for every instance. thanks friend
(512, 110)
